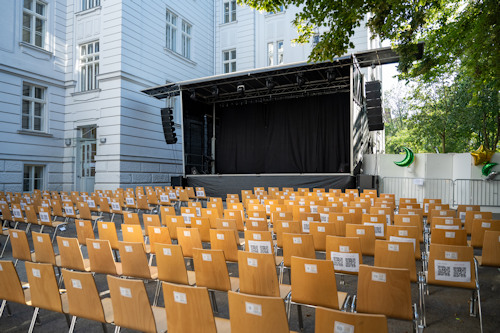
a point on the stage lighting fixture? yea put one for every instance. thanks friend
(331, 75)
(240, 88)
(300, 80)
(192, 94)
(215, 92)
(270, 84)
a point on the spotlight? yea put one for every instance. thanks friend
(240, 88)
(270, 84)
(192, 94)
(331, 75)
(300, 80)
(215, 92)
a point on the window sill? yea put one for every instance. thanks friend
(88, 11)
(35, 51)
(86, 95)
(180, 56)
(34, 133)
(228, 23)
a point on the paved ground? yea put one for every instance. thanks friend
(447, 308)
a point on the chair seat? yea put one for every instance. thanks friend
(223, 325)
(108, 310)
(235, 283)
(341, 296)
(58, 260)
(160, 318)
(191, 278)
(479, 260)
(119, 269)
(285, 289)
(154, 272)
(278, 260)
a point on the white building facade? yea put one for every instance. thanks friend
(72, 115)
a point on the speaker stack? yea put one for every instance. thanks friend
(167, 121)
(374, 105)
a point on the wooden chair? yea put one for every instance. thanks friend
(225, 240)
(319, 231)
(340, 321)
(189, 239)
(378, 222)
(12, 289)
(150, 220)
(171, 266)
(340, 220)
(203, 225)
(44, 212)
(189, 310)
(282, 227)
(491, 249)
(479, 227)
(251, 313)
(449, 237)
(86, 214)
(158, 235)
(173, 222)
(134, 233)
(134, 261)
(398, 233)
(44, 291)
(101, 257)
(298, 245)
(71, 255)
(6, 218)
(345, 252)
(84, 300)
(410, 221)
(20, 246)
(188, 213)
(131, 307)
(455, 266)
(131, 218)
(366, 234)
(450, 223)
(396, 255)
(386, 291)
(461, 209)
(471, 215)
(314, 284)
(107, 230)
(84, 230)
(44, 251)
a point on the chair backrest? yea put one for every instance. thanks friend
(166, 211)
(225, 240)
(173, 222)
(30, 212)
(189, 239)
(203, 225)
(131, 307)
(134, 260)
(471, 215)
(448, 237)
(409, 234)
(43, 286)
(83, 297)
(101, 256)
(366, 234)
(345, 252)
(211, 270)
(44, 251)
(17, 213)
(107, 230)
(259, 241)
(355, 212)
(491, 249)
(132, 233)
(20, 246)
(170, 263)
(341, 321)
(188, 213)
(319, 231)
(385, 291)
(84, 230)
(281, 227)
(299, 245)
(257, 225)
(84, 210)
(257, 273)
(11, 290)
(131, 218)
(396, 255)
(479, 226)
(313, 282)
(251, 313)
(451, 265)
(188, 309)
(450, 223)
(158, 235)
(71, 255)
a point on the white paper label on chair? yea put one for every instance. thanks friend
(164, 198)
(15, 235)
(478, 216)
(323, 217)
(403, 240)
(167, 251)
(454, 271)
(462, 215)
(393, 247)
(125, 292)
(448, 221)
(252, 262)
(340, 218)
(257, 236)
(339, 327)
(305, 226)
(406, 219)
(285, 225)
(297, 240)
(187, 218)
(128, 248)
(209, 212)
(343, 261)
(44, 204)
(451, 255)
(115, 206)
(448, 227)
(174, 220)
(253, 309)
(91, 203)
(411, 213)
(44, 217)
(255, 224)
(198, 211)
(220, 236)
(373, 219)
(35, 272)
(81, 223)
(378, 277)
(206, 257)
(187, 233)
(96, 246)
(282, 214)
(17, 213)
(130, 229)
(485, 225)
(130, 201)
(449, 234)
(403, 233)
(321, 229)
(360, 231)
(388, 219)
(259, 246)
(65, 243)
(352, 211)
(76, 283)
(200, 193)
(344, 249)
(69, 210)
(442, 213)
(314, 209)
(344, 203)
(129, 215)
(180, 297)
(311, 268)
(39, 239)
(379, 228)
(157, 230)
(172, 195)
(104, 226)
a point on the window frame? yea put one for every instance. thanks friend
(89, 83)
(229, 13)
(270, 54)
(33, 17)
(186, 38)
(89, 4)
(31, 177)
(171, 19)
(33, 100)
(230, 61)
(280, 52)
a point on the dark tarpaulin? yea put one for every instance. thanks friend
(304, 135)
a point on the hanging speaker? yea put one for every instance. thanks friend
(167, 121)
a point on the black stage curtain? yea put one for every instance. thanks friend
(304, 135)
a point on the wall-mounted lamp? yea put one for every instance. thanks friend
(102, 140)
(67, 142)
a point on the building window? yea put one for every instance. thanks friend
(171, 30)
(89, 66)
(33, 178)
(279, 46)
(34, 22)
(315, 39)
(34, 104)
(229, 61)
(280, 10)
(229, 11)
(186, 39)
(87, 4)
(270, 54)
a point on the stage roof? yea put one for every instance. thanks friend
(277, 82)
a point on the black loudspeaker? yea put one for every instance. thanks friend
(366, 182)
(177, 181)
(167, 121)
(374, 105)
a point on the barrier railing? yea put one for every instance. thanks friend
(453, 192)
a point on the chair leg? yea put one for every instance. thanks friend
(421, 296)
(117, 329)
(2, 307)
(301, 319)
(54, 234)
(104, 328)
(73, 323)
(479, 308)
(68, 321)
(157, 292)
(5, 245)
(33, 320)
